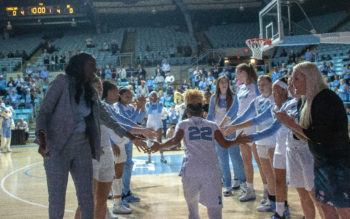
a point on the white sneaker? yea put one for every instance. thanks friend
(119, 208)
(265, 197)
(9, 149)
(235, 185)
(248, 195)
(267, 207)
(227, 192)
(243, 187)
(110, 215)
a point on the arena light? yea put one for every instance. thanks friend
(241, 8)
(9, 25)
(253, 61)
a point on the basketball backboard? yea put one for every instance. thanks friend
(270, 23)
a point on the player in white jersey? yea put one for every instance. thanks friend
(245, 94)
(154, 109)
(261, 108)
(201, 174)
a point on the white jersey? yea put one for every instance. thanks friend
(245, 95)
(261, 105)
(200, 154)
(282, 135)
(291, 141)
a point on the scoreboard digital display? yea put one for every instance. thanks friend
(40, 9)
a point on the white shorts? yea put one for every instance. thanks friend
(300, 167)
(154, 124)
(208, 190)
(279, 161)
(263, 150)
(103, 170)
(122, 155)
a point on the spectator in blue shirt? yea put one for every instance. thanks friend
(324, 69)
(173, 115)
(14, 99)
(44, 75)
(28, 100)
(203, 83)
(275, 75)
(308, 55)
(210, 78)
(2, 85)
(29, 69)
(346, 72)
(108, 72)
(343, 91)
(224, 72)
(149, 84)
(331, 70)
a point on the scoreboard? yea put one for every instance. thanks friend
(40, 9)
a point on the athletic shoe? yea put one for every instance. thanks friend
(125, 203)
(269, 206)
(248, 195)
(227, 192)
(148, 162)
(9, 150)
(163, 161)
(277, 216)
(265, 197)
(243, 187)
(110, 215)
(131, 198)
(286, 212)
(110, 195)
(235, 185)
(119, 208)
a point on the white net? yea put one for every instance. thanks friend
(256, 45)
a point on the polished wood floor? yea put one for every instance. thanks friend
(23, 193)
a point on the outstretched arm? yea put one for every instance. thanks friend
(240, 139)
(171, 142)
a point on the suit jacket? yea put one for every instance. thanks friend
(57, 119)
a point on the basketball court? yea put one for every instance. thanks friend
(23, 192)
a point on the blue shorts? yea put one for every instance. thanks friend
(332, 185)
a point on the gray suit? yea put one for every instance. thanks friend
(71, 152)
(56, 116)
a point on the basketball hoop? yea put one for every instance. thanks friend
(256, 45)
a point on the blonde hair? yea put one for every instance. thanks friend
(314, 85)
(194, 96)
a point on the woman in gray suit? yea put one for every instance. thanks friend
(68, 132)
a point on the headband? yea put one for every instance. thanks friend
(282, 84)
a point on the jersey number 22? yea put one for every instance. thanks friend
(197, 134)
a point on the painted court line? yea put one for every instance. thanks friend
(18, 198)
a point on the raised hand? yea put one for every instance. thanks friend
(149, 133)
(140, 145)
(284, 118)
(229, 130)
(141, 101)
(155, 147)
(243, 139)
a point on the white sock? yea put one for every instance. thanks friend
(280, 208)
(250, 186)
(265, 187)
